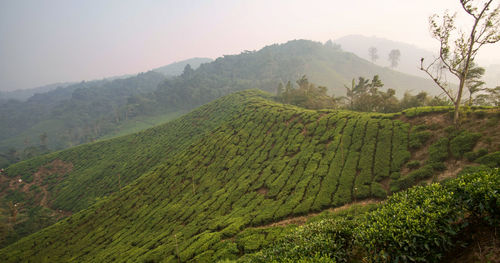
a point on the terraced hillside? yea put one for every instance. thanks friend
(261, 162)
(52, 186)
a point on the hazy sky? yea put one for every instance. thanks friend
(47, 41)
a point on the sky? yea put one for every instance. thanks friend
(48, 41)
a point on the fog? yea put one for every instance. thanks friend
(43, 42)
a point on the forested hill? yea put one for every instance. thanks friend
(70, 115)
(324, 64)
(176, 68)
(199, 185)
(88, 111)
(58, 116)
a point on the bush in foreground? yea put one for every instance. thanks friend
(417, 225)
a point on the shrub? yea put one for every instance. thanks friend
(479, 194)
(417, 139)
(462, 143)
(413, 164)
(412, 226)
(378, 191)
(438, 151)
(491, 160)
(330, 238)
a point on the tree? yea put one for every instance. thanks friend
(473, 80)
(355, 90)
(308, 95)
(457, 52)
(365, 96)
(372, 51)
(491, 97)
(280, 89)
(394, 57)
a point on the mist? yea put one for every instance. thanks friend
(43, 42)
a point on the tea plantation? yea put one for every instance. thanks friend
(201, 185)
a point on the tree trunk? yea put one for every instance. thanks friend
(457, 101)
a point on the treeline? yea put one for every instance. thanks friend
(365, 95)
(72, 115)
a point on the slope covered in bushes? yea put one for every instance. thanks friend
(54, 185)
(417, 225)
(264, 162)
(259, 162)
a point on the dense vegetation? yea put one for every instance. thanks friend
(63, 115)
(73, 179)
(199, 199)
(278, 167)
(417, 225)
(364, 95)
(87, 111)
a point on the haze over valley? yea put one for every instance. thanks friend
(250, 131)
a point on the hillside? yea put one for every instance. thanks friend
(325, 64)
(176, 68)
(259, 162)
(69, 114)
(410, 55)
(87, 111)
(51, 185)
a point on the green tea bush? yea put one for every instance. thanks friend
(418, 138)
(413, 226)
(472, 156)
(330, 238)
(462, 143)
(438, 151)
(490, 160)
(414, 112)
(479, 194)
(413, 164)
(416, 225)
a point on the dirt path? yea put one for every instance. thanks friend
(300, 220)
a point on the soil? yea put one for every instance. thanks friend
(58, 167)
(481, 244)
(300, 220)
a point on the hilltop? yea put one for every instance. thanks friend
(195, 188)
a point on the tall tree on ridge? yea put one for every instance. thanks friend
(394, 57)
(456, 52)
(372, 51)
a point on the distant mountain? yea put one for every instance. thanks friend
(176, 68)
(326, 65)
(169, 70)
(87, 111)
(74, 113)
(410, 54)
(25, 94)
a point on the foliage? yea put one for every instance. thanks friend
(463, 142)
(458, 48)
(238, 162)
(307, 95)
(479, 194)
(329, 238)
(491, 160)
(417, 225)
